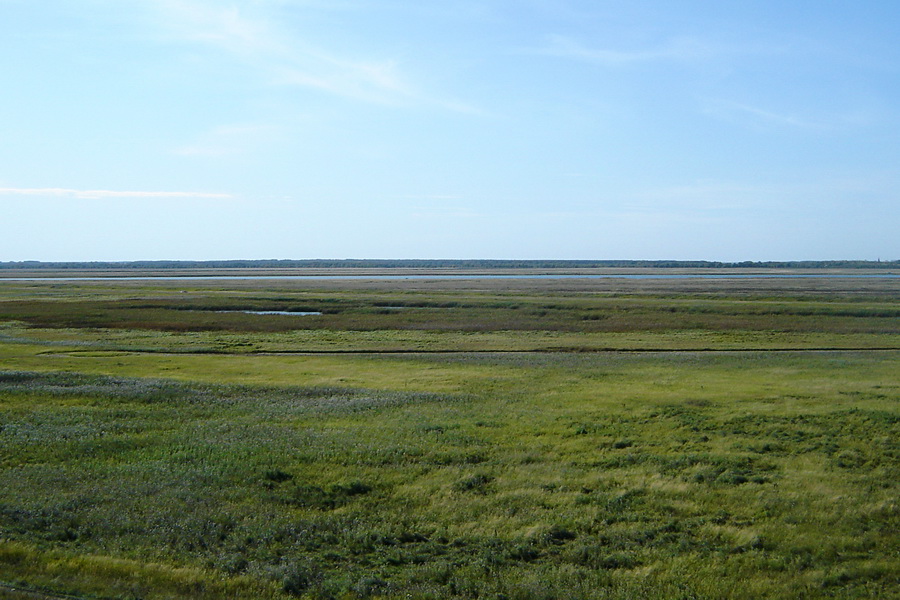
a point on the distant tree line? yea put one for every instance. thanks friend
(449, 264)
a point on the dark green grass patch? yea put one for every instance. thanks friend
(444, 311)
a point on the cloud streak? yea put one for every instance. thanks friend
(250, 34)
(102, 194)
(759, 116)
(678, 50)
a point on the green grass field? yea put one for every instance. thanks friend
(483, 441)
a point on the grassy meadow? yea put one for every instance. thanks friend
(486, 439)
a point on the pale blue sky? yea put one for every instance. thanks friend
(717, 130)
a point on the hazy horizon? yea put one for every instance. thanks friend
(428, 263)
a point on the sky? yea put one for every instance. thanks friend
(527, 129)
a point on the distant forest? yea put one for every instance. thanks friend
(449, 264)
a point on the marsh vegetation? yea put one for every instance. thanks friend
(481, 441)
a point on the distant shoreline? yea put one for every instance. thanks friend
(406, 273)
(431, 267)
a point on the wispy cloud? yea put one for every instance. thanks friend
(676, 49)
(813, 120)
(756, 115)
(100, 194)
(249, 32)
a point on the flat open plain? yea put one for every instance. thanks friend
(451, 438)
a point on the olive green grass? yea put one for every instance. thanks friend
(721, 476)
(153, 448)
